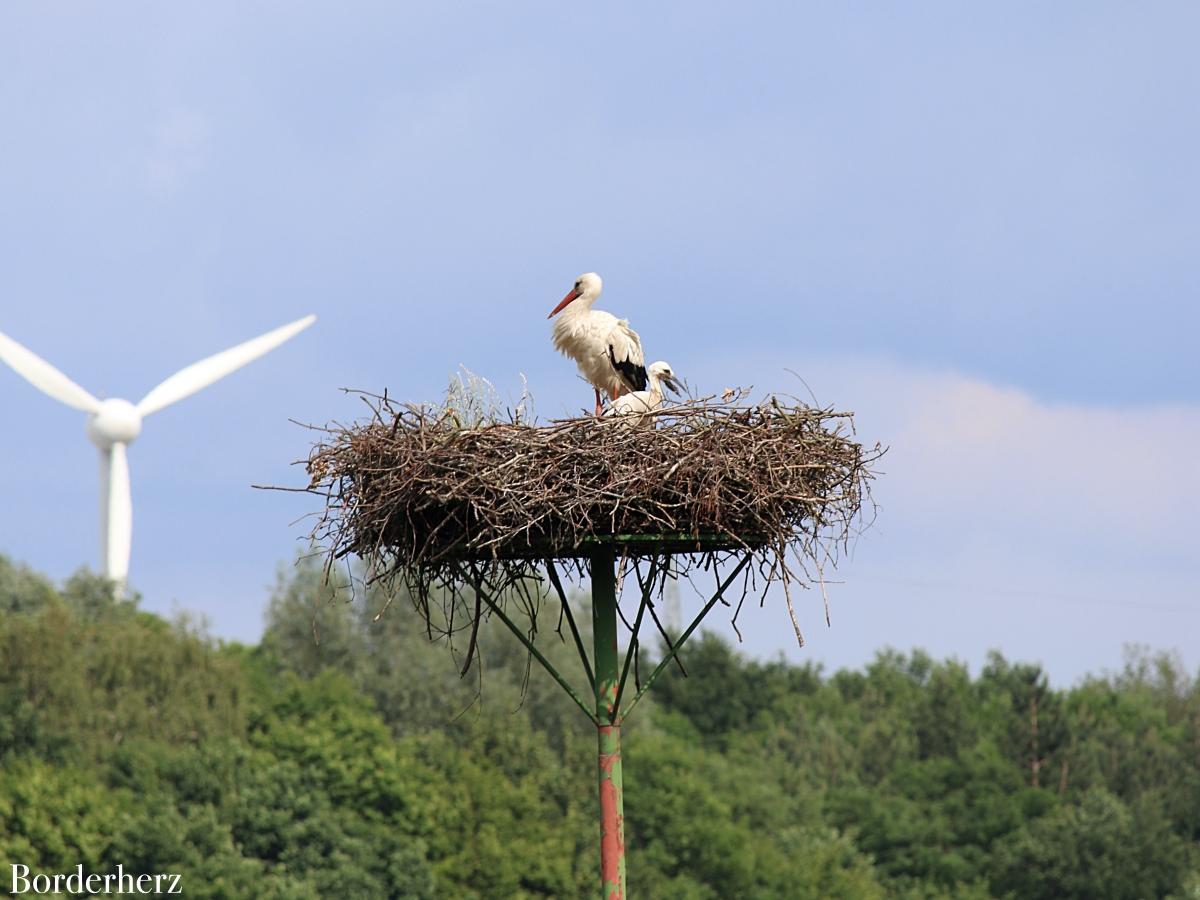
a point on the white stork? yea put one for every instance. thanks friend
(637, 406)
(607, 351)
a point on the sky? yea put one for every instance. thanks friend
(973, 225)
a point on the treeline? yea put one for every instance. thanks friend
(346, 757)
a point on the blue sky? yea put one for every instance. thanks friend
(977, 227)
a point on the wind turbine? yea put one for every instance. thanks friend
(113, 424)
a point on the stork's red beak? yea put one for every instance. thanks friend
(571, 295)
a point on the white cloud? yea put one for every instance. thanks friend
(988, 459)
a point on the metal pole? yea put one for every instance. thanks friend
(612, 803)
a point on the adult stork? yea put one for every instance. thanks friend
(636, 407)
(607, 351)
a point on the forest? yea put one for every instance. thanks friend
(344, 756)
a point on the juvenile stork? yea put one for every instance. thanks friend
(607, 351)
(636, 407)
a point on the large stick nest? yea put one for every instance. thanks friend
(419, 493)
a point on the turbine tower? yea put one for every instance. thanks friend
(113, 424)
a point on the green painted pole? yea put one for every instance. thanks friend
(612, 803)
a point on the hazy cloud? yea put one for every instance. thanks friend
(987, 458)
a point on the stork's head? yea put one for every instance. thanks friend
(661, 372)
(586, 289)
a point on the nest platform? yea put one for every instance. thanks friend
(415, 490)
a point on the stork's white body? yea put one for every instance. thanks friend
(637, 408)
(113, 424)
(585, 335)
(607, 351)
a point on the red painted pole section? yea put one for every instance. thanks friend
(612, 814)
(612, 802)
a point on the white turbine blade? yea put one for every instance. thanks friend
(44, 376)
(116, 507)
(187, 381)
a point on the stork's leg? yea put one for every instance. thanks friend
(599, 408)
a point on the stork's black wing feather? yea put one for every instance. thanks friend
(631, 373)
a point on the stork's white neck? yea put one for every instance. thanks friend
(656, 388)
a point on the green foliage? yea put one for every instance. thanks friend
(954, 786)
(1095, 849)
(705, 825)
(53, 817)
(22, 590)
(345, 755)
(749, 691)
